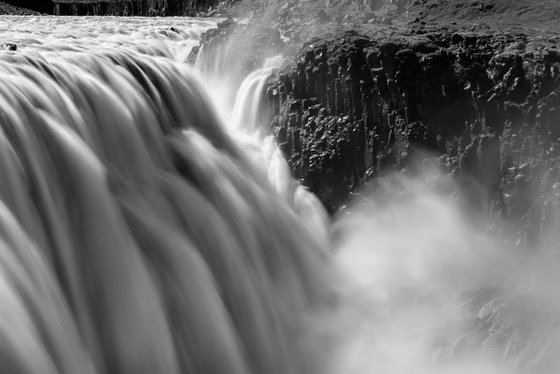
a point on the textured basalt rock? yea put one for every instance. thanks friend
(134, 7)
(236, 49)
(9, 46)
(486, 106)
(25, 7)
(6, 8)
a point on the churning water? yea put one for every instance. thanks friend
(144, 231)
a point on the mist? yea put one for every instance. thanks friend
(427, 285)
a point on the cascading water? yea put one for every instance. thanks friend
(141, 231)
(137, 237)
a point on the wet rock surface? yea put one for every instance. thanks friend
(236, 49)
(13, 10)
(148, 8)
(9, 46)
(485, 106)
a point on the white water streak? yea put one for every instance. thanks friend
(167, 245)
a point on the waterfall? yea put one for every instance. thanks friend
(149, 223)
(136, 235)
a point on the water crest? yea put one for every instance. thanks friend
(137, 236)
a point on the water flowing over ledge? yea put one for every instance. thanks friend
(148, 224)
(137, 237)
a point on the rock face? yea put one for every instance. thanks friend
(6, 8)
(486, 106)
(134, 7)
(236, 49)
(9, 46)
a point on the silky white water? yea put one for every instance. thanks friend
(149, 224)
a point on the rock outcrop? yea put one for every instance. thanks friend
(486, 106)
(8, 9)
(236, 49)
(134, 7)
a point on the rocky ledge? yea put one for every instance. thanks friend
(485, 106)
(481, 103)
(237, 48)
(7, 9)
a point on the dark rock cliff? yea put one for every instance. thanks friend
(486, 106)
(236, 49)
(6, 8)
(26, 7)
(134, 7)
